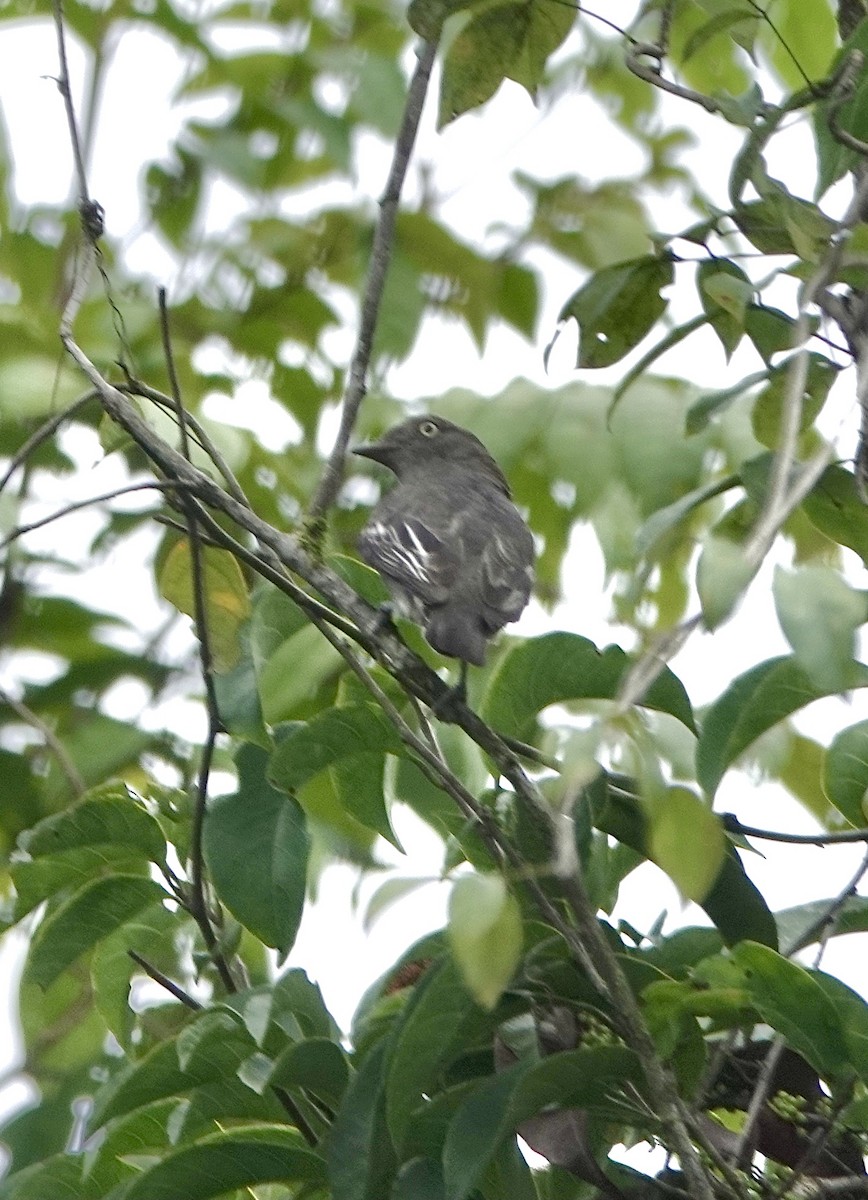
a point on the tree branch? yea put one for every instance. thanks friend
(381, 254)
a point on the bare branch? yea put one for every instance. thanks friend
(57, 748)
(378, 267)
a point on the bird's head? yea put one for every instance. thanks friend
(421, 442)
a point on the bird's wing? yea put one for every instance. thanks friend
(405, 550)
(507, 575)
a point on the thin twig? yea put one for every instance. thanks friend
(153, 485)
(64, 87)
(652, 73)
(732, 824)
(43, 433)
(174, 989)
(198, 902)
(381, 253)
(824, 925)
(57, 748)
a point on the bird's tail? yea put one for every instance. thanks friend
(457, 633)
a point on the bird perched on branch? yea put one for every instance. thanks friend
(447, 539)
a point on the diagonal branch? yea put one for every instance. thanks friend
(381, 254)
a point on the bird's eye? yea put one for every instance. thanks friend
(428, 429)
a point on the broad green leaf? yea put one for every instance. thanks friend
(589, 1079)
(789, 999)
(420, 1179)
(834, 159)
(617, 307)
(708, 405)
(837, 510)
(770, 330)
(852, 1012)
(256, 845)
(723, 575)
(783, 224)
(770, 404)
(330, 737)
(426, 17)
(317, 1065)
(724, 291)
(158, 1074)
(734, 903)
(360, 1156)
(360, 790)
(441, 1019)
(485, 934)
(845, 776)
(224, 596)
(112, 816)
(801, 42)
(806, 924)
(558, 667)
(151, 933)
(686, 840)
(57, 1176)
(665, 520)
(92, 913)
(819, 615)
(511, 40)
(48, 877)
(233, 1158)
(753, 703)
(293, 673)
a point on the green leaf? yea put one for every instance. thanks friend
(834, 159)
(789, 999)
(317, 1065)
(360, 1156)
(221, 1048)
(845, 777)
(53, 875)
(819, 615)
(230, 1159)
(152, 934)
(511, 40)
(564, 666)
(485, 934)
(853, 1014)
(769, 407)
(360, 790)
(426, 17)
(770, 330)
(753, 703)
(806, 924)
(584, 1079)
(94, 912)
(440, 1020)
(725, 292)
(837, 510)
(686, 840)
(256, 845)
(665, 520)
(617, 307)
(224, 596)
(330, 737)
(734, 903)
(110, 817)
(801, 42)
(723, 575)
(293, 673)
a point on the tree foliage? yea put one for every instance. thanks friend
(184, 852)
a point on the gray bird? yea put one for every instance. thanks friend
(447, 539)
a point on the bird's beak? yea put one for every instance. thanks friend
(378, 451)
